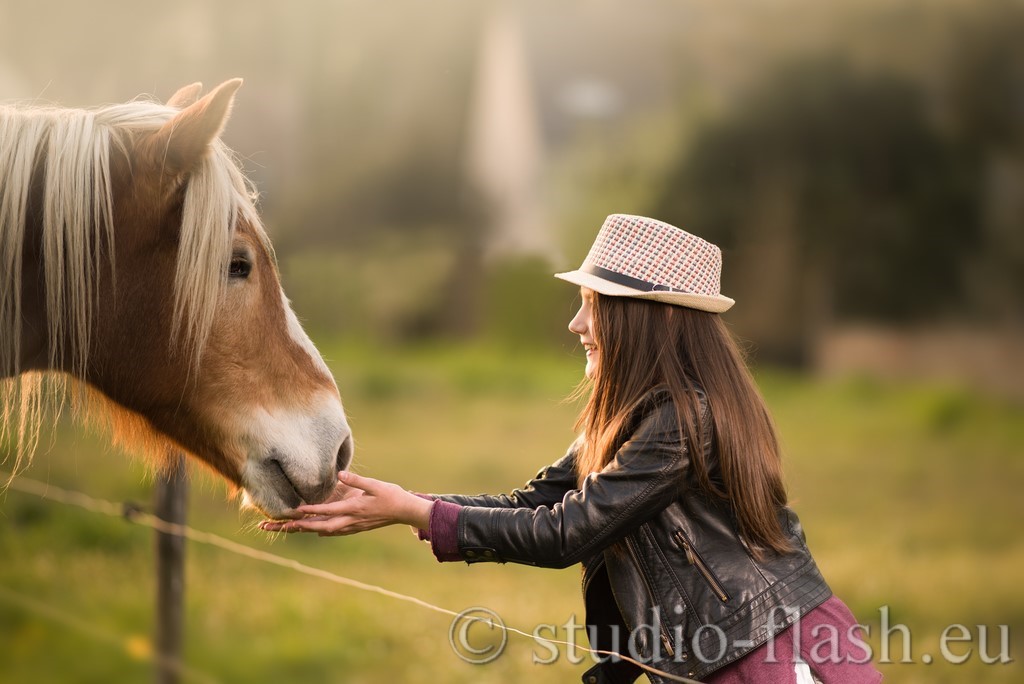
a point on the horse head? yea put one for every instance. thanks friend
(146, 276)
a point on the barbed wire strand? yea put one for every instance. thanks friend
(132, 646)
(73, 498)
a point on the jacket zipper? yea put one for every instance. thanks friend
(694, 559)
(665, 640)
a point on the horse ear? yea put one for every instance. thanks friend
(185, 96)
(183, 141)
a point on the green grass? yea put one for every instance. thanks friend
(910, 496)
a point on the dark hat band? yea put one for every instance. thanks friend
(625, 280)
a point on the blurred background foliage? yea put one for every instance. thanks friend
(860, 162)
(425, 166)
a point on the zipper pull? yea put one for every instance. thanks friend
(685, 543)
(667, 643)
(690, 558)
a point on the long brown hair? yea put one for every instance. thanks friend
(644, 344)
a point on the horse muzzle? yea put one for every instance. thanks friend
(285, 477)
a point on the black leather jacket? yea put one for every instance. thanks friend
(662, 560)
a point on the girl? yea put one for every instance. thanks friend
(671, 498)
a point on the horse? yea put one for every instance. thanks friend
(137, 277)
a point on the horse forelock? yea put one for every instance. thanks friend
(69, 151)
(217, 198)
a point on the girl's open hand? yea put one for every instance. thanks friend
(358, 504)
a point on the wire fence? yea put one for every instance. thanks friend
(132, 513)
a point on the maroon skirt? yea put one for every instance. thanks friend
(826, 646)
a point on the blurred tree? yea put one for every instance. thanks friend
(984, 101)
(985, 77)
(833, 196)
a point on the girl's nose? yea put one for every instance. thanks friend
(577, 325)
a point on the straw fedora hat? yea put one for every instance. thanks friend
(640, 257)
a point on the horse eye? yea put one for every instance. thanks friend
(239, 268)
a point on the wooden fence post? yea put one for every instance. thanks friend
(170, 505)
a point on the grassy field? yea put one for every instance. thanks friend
(911, 497)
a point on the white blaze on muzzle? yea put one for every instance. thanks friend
(293, 454)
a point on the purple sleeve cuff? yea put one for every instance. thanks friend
(444, 531)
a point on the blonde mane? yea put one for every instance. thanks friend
(69, 150)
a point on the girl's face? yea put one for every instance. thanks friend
(582, 324)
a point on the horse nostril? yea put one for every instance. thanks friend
(345, 453)
(289, 492)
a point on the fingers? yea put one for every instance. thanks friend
(364, 504)
(354, 486)
(342, 492)
(287, 525)
(330, 508)
(367, 484)
(322, 525)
